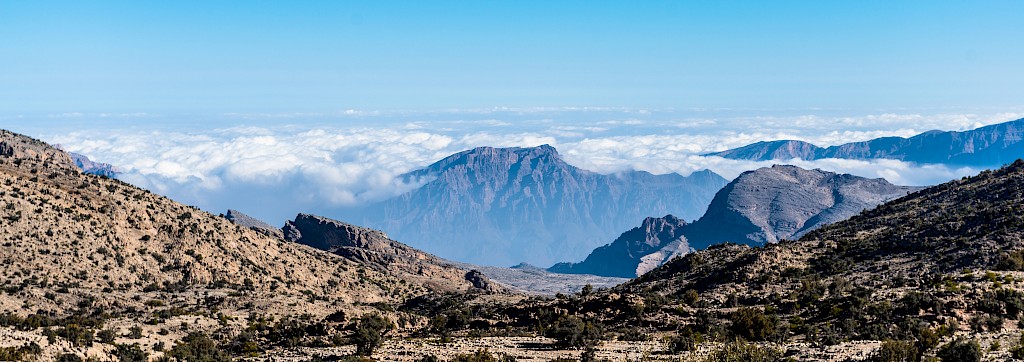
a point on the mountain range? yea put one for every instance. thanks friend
(763, 206)
(989, 146)
(503, 206)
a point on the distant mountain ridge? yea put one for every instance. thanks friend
(988, 146)
(503, 206)
(763, 206)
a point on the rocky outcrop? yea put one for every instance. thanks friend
(479, 280)
(503, 206)
(374, 249)
(259, 226)
(989, 146)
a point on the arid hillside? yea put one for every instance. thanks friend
(107, 255)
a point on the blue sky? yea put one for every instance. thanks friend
(287, 56)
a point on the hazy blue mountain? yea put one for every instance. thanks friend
(989, 146)
(91, 167)
(503, 206)
(758, 207)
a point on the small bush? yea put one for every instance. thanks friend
(960, 350)
(753, 324)
(740, 351)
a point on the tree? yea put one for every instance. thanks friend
(370, 333)
(753, 324)
(198, 347)
(572, 332)
(960, 350)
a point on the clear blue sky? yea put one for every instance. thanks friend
(291, 56)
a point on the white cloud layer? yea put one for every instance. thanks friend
(275, 171)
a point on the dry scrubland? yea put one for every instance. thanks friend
(97, 269)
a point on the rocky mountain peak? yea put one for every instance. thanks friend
(784, 202)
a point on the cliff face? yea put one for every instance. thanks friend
(503, 206)
(988, 146)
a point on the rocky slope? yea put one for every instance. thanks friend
(758, 207)
(932, 274)
(503, 206)
(106, 255)
(988, 146)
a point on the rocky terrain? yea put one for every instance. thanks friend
(934, 274)
(763, 206)
(988, 146)
(97, 269)
(503, 206)
(91, 259)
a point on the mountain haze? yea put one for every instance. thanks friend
(988, 146)
(503, 206)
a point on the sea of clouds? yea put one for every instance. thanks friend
(276, 165)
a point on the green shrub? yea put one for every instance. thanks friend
(753, 324)
(740, 351)
(896, 351)
(960, 350)
(572, 332)
(197, 347)
(685, 340)
(131, 353)
(370, 333)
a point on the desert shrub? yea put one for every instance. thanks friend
(960, 350)
(198, 347)
(69, 357)
(21, 353)
(573, 332)
(633, 334)
(429, 358)
(478, 356)
(106, 336)
(740, 351)
(131, 353)
(753, 324)
(895, 351)
(685, 340)
(1013, 261)
(370, 333)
